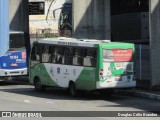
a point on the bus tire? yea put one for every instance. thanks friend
(38, 86)
(72, 89)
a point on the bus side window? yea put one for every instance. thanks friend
(78, 56)
(53, 55)
(35, 54)
(58, 54)
(68, 56)
(89, 57)
(46, 54)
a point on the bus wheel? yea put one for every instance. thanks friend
(72, 89)
(38, 86)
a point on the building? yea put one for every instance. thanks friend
(41, 15)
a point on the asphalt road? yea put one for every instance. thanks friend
(23, 97)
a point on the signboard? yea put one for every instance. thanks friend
(117, 55)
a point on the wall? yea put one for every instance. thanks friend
(19, 19)
(91, 19)
(155, 41)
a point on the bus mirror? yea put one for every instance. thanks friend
(54, 12)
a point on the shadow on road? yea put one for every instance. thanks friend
(60, 94)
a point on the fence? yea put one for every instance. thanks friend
(143, 65)
(43, 33)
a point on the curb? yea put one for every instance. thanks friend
(138, 94)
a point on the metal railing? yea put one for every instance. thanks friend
(43, 33)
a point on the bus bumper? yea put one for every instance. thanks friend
(100, 85)
(17, 72)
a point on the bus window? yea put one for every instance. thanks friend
(78, 56)
(89, 57)
(53, 55)
(36, 54)
(33, 54)
(16, 41)
(46, 54)
(68, 56)
(58, 54)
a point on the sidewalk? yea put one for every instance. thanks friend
(153, 94)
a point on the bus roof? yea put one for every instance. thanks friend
(72, 41)
(84, 42)
(16, 32)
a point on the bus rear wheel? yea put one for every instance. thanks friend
(38, 86)
(72, 89)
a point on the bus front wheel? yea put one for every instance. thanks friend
(72, 89)
(38, 86)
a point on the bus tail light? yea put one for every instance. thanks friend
(101, 72)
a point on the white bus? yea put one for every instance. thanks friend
(82, 65)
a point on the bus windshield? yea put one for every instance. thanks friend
(65, 19)
(16, 41)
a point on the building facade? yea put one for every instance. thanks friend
(41, 15)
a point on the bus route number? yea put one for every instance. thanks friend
(14, 57)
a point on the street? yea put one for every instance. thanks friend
(23, 97)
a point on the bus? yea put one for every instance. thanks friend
(65, 20)
(14, 61)
(75, 64)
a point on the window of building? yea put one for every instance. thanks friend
(36, 8)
